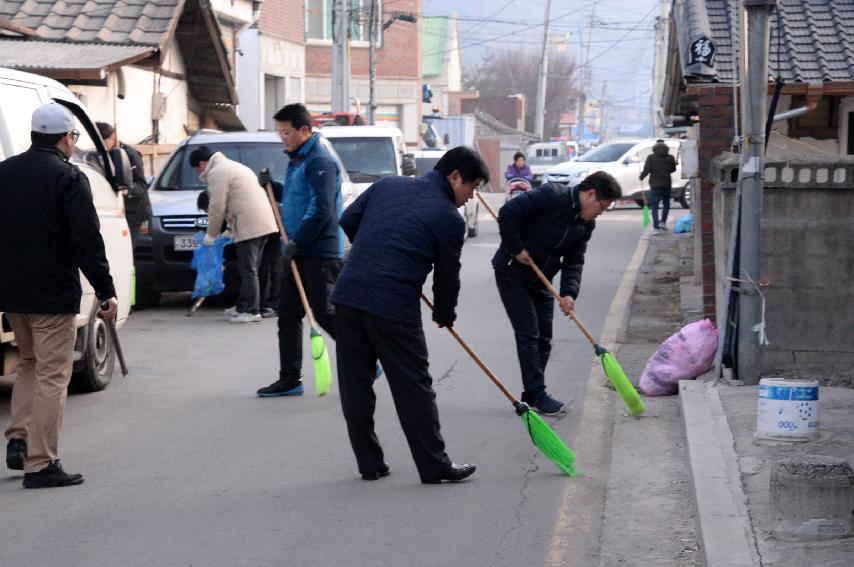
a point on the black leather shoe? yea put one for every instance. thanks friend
(16, 453)
(377, 475)
(51, 476)
(452, 473)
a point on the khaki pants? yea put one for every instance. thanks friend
(46, 346)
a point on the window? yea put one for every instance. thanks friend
(319, 21)
(17, 110)
(366, 159)
(178, 174)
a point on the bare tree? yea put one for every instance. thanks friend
(506, 72)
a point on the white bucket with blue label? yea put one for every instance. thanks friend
(788, 409)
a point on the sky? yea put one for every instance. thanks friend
(621, 46)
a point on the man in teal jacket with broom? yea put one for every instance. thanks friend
(311, 205)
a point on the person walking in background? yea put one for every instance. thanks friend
(137, 203)
(49, 233)
(659, 165)
(548, 226)
(310, 207)
(402, 228)
(234, 197)
(518, 169)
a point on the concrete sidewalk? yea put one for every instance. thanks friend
(731, 469)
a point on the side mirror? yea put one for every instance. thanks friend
(408, 166)
(632, 159)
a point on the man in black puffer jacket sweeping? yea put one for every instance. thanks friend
(549, 226)
(401, 229)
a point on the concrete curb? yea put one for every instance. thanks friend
(723, 525)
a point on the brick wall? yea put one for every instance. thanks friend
(490, 151)
(508, 109)
(716, 135)
(398, 57)
(283, 19)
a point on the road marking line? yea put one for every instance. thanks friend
(595, 427)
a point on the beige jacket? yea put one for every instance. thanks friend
(236, 197)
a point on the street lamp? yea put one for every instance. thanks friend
(372, 53)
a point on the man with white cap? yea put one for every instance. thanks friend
(49, 231)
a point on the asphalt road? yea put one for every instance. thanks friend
(185, 466)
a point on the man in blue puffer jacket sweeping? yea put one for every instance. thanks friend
(311, 205)
(401, 229)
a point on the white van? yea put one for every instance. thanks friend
(370, 153)
(20, 94)
(543, 156)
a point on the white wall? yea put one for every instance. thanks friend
(132, 115)
(250, 80)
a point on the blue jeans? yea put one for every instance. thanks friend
(531, 310)
(656, 196)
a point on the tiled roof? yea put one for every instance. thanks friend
(68, 60)
(141, 22)
(816, 40)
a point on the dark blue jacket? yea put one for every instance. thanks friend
(401, 228)
(545, 222)
(311, 201)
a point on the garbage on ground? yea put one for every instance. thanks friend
(684, 224)
(684, 356)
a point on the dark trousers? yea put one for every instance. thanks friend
(402, 350)
(531, 310)
(270, 272)
(248, 262)
(318, 278)
(659, 196)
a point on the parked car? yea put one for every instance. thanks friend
(624, 159)
(370, 153)
(164, 248)
(95, 355)
(543, 156)
(425, 161)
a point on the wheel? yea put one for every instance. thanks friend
(94, 371)
(475, 226)
(146, 297)
(685, 199)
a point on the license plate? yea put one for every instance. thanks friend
(186, 243)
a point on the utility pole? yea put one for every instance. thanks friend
(581, 98)
(603, 123)
(372, 64)
(753, 96)
(340, 57)
(540, 111)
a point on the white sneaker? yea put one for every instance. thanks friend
(231, 311)
(656, 231)
(663, 226)
(246, 318)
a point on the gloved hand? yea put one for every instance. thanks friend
(288, 253)
(209, 240)
(264, 178)
(444, 319)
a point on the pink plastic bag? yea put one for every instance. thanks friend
(684, 356)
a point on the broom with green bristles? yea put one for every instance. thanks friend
(543, 436)
(612, 368)
(322, 368)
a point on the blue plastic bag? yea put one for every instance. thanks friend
(684, 224)
(207, 261)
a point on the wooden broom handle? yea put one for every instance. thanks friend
(294, 269)
(545, 280)
(476, 358)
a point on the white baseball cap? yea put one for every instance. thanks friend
(52, 118)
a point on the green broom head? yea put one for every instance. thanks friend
(645, 215)
(620, 381)
(322, 368)
(546, 440)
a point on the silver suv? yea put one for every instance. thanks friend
(165, 247)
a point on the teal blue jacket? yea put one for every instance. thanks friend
(311, 201)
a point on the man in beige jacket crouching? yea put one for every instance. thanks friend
(236, 198)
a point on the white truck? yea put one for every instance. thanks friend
(94, 351)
